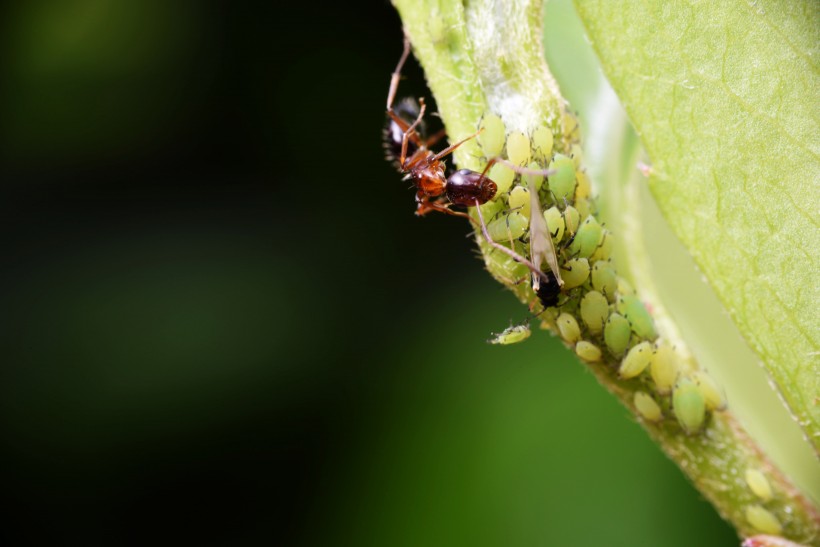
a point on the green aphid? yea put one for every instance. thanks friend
(520, 200)
(631, 307)
(511, 335)
(588, 351)
(562, 183)
(594, 311)
(758, 484)
(542, 141)
(503, 177)
(713, 394)
(647, 406)
(663, 368)
(763, 521)
(504, 268)
(568, 328)
(604, 279)
(508, 227)
(575, 272)
(635, 361)
(571, 219)
(491, 209)
(587, 239)
(689, 405)
(491, 138)
(616, 334)
(555, 223)
(604, 250)
(518, 148)
(537, 180)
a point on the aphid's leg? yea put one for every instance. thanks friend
(509, 252)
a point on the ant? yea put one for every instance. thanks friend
(434, 191)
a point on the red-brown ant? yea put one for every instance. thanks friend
(434, 191)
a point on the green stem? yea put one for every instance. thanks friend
(486, 56)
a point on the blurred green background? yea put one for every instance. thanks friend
(222, 323)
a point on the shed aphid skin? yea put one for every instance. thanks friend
(758, 484)
(511, 335)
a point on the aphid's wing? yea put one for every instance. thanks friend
(541, 247)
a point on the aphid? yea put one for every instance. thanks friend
(635, 361)
(508, 227)
(763, 520)
(647, 406)
(712, 393)
(689, 406)
(572, 218)
(604, 250)
(434, 191)
(604, 279)
(758, 484)
(588, 351)
(568, 328)
(631, 307)
(562, 183)
(491, 137)
(555, 223)
(520, 200)
(664, 368)
(587, 238)
(594, 311)
(575, 272)
(518, 148)
(511, 335)
(542, 141)
(616, 334)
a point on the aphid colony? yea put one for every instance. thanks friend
(595, 312)
(537, 227)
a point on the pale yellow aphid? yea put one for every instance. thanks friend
(542, 141)
(758, 484)
(713, 394)
(555, 223)
(594, 311)
(568, 328)
(575, 272)
(518, 148)
(520, 201)
(588, 351)
(663, 367)
(647, 406)
(491, 138)
(636, 360)
(503, 177)
(763, 520)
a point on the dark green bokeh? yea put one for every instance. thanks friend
(223, 324)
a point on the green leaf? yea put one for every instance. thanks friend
(723, 96)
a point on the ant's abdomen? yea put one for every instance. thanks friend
(465, 187)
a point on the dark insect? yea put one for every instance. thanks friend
(405, 144)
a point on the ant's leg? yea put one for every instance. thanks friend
(509, 252)
(425, 206)
(410, 131)
(394, 78)
(435, 138)
(449, 150)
